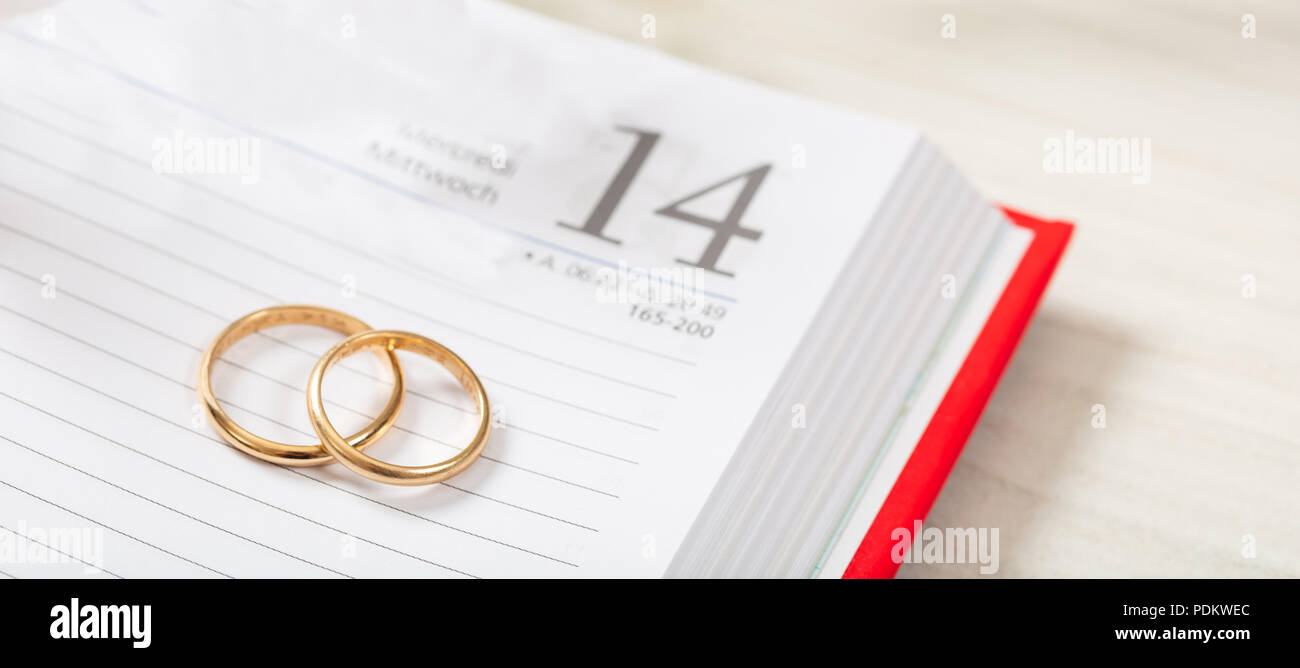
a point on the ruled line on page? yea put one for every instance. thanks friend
(90, 120)
(515, 427)
(220, 318)
(51, 548)
(280, 261)
(230, 490)
(294, 471)
(165, 506)
(289, 386)
(245, 410)
(364, 176)
(112, 528)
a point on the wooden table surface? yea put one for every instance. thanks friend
(1197, 469)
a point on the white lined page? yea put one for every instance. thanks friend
(96, 384)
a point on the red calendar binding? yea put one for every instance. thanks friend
(936, 452)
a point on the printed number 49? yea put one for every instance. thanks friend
(723, 230)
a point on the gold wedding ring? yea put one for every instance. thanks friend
(273, 451)
(334, 446)
(363, 464)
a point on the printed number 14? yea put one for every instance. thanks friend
(723, 230)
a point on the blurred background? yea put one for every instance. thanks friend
(1149, 424)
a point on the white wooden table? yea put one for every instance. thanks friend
(1197, 470)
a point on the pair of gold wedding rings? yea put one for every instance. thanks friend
(333, 446)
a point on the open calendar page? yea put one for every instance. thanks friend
(519, 190)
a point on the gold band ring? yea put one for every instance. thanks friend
(283, 453)
(363, 464)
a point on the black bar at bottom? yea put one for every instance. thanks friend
(857, 617)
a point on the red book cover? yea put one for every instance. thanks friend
(936, 452)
